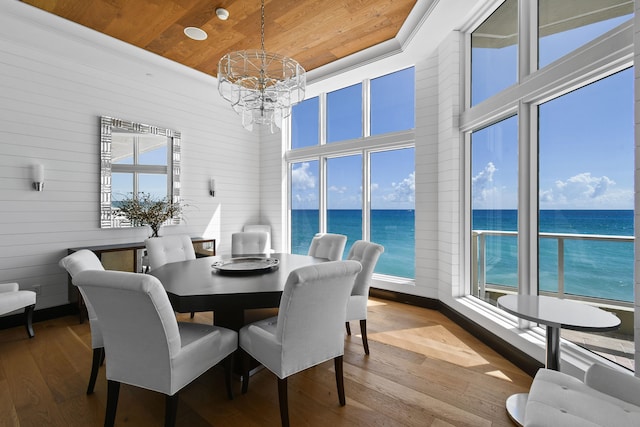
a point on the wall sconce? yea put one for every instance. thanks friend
(37, 172)
(212, 187)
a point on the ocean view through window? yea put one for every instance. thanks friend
(364, 188)
(551, 186)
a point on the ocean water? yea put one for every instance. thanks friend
(393, 229)
(592, 268)
(598, 269)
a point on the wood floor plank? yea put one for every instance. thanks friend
(424, 370)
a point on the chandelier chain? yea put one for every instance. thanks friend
(262, 26)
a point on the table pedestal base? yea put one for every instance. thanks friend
(515, 407)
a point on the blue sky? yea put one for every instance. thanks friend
(392, 172)
(585, 137)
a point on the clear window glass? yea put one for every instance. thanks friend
(393, 102)
(586, 180)
(393, 210)
(494, 53)
(564, 26)
(494, 204)
(305, 123)
(344, 113)
(305, 219)
(344, 198)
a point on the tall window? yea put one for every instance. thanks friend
(305, 205)
(494, 204)
(364, 188)
(566, 159)
(494, 42)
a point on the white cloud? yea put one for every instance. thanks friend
(302, 178)
(340, 190)
(482, 184)
(403, 191)
(585, 191)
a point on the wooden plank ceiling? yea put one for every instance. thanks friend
(313, 32)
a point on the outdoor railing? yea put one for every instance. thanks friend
(479, 256)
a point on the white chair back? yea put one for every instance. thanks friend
(367, 253)
(311, 314)
(166, 249)
(75, 263)
(138, 324)
(327, 245)
(249, 243)
(260, 227)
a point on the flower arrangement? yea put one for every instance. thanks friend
(145, 209)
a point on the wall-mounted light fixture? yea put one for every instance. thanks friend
(37, 173)
(212, 187)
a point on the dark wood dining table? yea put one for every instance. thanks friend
(194, 286)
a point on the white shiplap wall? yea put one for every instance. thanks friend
(56, 79)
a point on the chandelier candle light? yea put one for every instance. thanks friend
(261, 86)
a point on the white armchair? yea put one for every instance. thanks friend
(74, 263)
(606, 398)
(12, 299)
(308, 328)
(367, 253)
(328, 245)
(145, 345)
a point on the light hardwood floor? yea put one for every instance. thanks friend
(424, 370)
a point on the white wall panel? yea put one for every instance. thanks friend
(56, 79)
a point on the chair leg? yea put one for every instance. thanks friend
(228, 372)
(98, 356)
(192, 314)
(113, 391)
(284, 402)
(348, 328)
(246, 361)
(28, 319)
(171, 410)
(337, 363)
(363, 331)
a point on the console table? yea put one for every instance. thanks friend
(128, 257)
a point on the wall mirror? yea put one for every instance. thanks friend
(134, 158)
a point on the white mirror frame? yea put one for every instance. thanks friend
(107, 217)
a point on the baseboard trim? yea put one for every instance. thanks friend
(39, 315)
(514, 355)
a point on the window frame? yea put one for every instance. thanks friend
(602, 57)
(362, 146)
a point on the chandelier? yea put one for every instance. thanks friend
(261, 86)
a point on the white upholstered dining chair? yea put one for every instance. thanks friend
(172, 248)
(12, 299)
(250, 243)
(74, 263)
(367, 253)
(165, 249)
(308, 329)
(144, 343)
(261, 227)
(328, 245)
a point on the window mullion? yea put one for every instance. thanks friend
(366, 195)
(366, 108)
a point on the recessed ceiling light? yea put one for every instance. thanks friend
(195, 33)
(222, 14)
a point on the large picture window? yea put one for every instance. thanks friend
(365, 188)
(551, 188)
